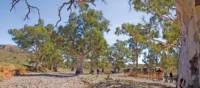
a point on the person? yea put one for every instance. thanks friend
(97, 71)
(102, 70)
(171, 77)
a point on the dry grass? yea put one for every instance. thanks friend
(8, 70)
(11, 62)
(12, 57)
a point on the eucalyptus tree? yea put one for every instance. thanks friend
(162, 18)
(99, 60)
(98, 45)
(30, 38)
(69, 62)
(188, 18)
(103, 63)
(169, 61)
(39, 40)
(163, 11)
(71, 5)
(140, 36)
(162, 25)
(83, 34)
(119, 55)
(153, 57)
(50, 49)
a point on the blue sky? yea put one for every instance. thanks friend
(116, 11)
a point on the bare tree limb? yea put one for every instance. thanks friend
(69, 4)
(59, 12)
(28, 5)
(130, 4)
(14, 2)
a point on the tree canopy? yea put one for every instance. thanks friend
(82, 37)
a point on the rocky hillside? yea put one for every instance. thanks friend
(11, 48)
(12, 54)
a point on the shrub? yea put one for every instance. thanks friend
(6, 70)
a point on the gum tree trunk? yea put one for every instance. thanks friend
(79, 65)
(188, 12)
(92, 66)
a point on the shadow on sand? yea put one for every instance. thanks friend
(128, 84)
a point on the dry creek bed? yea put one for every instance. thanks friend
(68, 80)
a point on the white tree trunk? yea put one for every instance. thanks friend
(189, 21)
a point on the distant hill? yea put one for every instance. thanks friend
(11, 48)
(13, 54)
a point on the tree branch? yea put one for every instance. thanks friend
(70, 3)
(28, 5)
(14, 2)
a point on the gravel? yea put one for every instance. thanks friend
(43, 81)
(68, 80)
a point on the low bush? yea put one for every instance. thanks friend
(9, 70)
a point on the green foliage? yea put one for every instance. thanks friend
(169, 63)
(83, 35)
(84, 32)
(41, 41)
(119, 54)
(138, 33)
(140, 37)
(104, 63)
(171, 31)
(162, 17)
(13, 58)
(155, 7)
(29, 37)
(162, 24)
